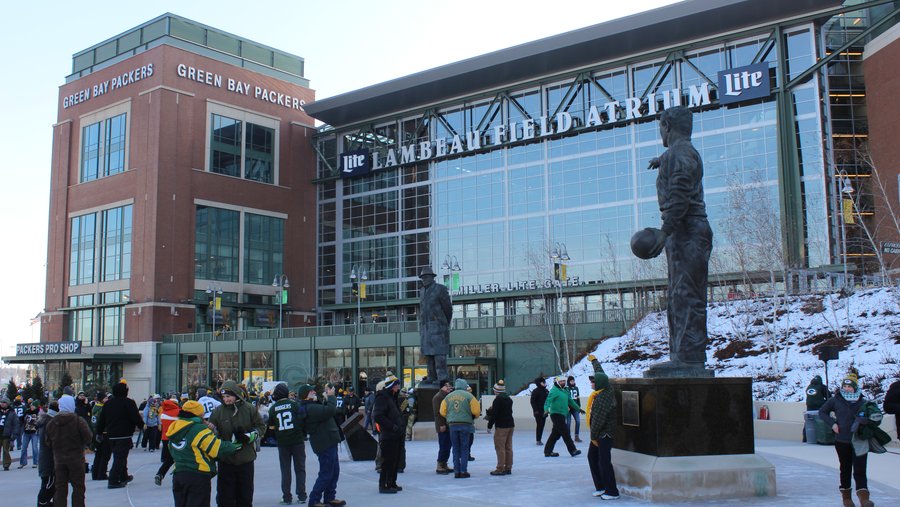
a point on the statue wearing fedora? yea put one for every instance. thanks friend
(435, 312)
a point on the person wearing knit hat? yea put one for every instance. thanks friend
(557, 405)
(45, 459)
(209, 402)
(117, 422)
(102, 451)
(168, 413)
(9, 430)
(194, 449)
(236, 419)
(67, 436)
(29, 434)
(287, 417)
(853, 415)
(574, 414)
(500, 415)
(601, 423)
(460, 409)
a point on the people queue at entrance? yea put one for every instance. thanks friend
(219, 433)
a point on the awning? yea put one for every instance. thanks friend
(84, 357)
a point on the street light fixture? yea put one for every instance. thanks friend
(558, 255)
(215, 302)
(451, 270)
(358, 276)
(281, 281)
(846, 190)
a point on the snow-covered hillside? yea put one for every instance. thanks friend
(776, 342)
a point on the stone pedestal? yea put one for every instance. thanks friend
(688, 438)
(424, 395)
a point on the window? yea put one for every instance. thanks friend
(81, 252)
(242, 144)
(103, 144)
(81, 323)
(217, 244)
(112, 318)
(116, 245)
(263, 248)
(193, 371)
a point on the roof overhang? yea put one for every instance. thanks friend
(636, 34)
(85, 357)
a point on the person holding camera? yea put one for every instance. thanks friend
(324, 439)
(236, 420)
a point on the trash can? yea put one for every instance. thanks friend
(824, 435)
(809, 426)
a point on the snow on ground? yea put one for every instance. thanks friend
(774, 340)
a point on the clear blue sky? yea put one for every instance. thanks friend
(347, 44)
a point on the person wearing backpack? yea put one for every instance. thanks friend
(288, 418)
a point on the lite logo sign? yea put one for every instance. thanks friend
(355, 163)
(744, 83)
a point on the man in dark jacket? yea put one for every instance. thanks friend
(288, 419)
(538, 397)
(118, 421)
(440, 425)
(500, 415)
(9, 428)
(391, 432)
(236, 420)
(816, 394)
(102, 450)
(45, 459)
(324, 439)
(67, 437)
(892, 403)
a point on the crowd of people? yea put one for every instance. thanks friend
(218, 433)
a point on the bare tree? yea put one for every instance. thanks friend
(868, 221)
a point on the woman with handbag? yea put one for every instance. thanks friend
(851, 412)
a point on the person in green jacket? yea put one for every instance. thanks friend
(324, 439)
(194, 449)
(102, 451)
(558, 403)
(236, 420)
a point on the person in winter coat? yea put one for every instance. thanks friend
(850, 413)
(574, 414)
(194, 449)
(208, 401)
(538, 397)
(169, 411)
(236, 420)
(892, 402)
(500, 416)
(601, 420)
(288, 418)
(45, 460)
(440, 425)
(558, 404)
(67, 437)
(30, 436)
(816, 394)
(460, 409)
(9, 429)
(102, 450)
(391, 432)
(117, 422)
(368, 405)
(324, 439)
(151, 423)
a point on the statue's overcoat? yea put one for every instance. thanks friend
(435, 312)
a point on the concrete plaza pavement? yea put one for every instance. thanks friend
(806, 475)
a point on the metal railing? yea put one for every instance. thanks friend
(617, 315)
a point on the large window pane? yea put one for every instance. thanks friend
(90, 152)
(115, 145)
(260, 153)
(116, 243)
(81, 252)
(217, 244)
(225, 146)
(264, 248)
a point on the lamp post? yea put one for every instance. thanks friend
(281, 282)
(215, 302)
(846, 191)
(558, 256)
(358, 276)
(451, 270)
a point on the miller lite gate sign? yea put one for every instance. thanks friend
(734, 85)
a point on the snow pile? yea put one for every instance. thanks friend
(776, 341)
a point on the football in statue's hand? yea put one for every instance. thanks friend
(644, 243)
